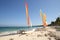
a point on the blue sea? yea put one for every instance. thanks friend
(12, 28)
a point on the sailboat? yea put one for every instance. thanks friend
(43, 16)
(27, 16)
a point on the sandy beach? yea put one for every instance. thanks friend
(31, 35)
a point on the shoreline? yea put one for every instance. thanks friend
(7, 33)
(35, 34)
(15, 31)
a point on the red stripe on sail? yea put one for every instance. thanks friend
(27, 15)
(28, 21)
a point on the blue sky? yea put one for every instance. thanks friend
(12, 12)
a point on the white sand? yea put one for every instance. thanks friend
(36, 35)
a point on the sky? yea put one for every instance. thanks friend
(12, 12)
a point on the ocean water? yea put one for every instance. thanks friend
(8, 28)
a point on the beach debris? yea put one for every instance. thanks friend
(51, 35)
(26, 35)
(21, 31)
(39, 35)
(57, 38)
(49, 38)
(46, 35)
(40, 29)
(11, 39)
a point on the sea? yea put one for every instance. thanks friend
(15, 28)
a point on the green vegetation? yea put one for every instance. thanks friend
(55, 23)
